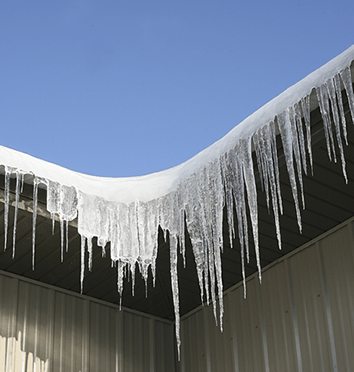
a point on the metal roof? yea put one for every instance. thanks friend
(329, 201)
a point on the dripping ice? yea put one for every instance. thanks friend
(223, 180)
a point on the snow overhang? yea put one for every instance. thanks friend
(152, 186)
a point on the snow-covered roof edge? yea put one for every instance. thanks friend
(126, 212)
(152, 186)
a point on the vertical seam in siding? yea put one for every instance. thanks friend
(232, 306)
(119, 340)
(37, 302)
(62, 326)
(50, 333)
(317, 323)
(308, 336)
(152, 342)
(294, 316)
(207, 343)
(11, 326)
(264, 333)
(328, 310)
(340, 308)
(84, 335)
(182, 363)
(24, 330)
(349, 285)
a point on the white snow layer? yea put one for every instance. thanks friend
(126, 212)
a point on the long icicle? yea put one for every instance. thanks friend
(286, 136)
(16, 213)
(34, 221)
(250, 182)
(82, 270)
(7, 201)
(335, 111)
(175, 289)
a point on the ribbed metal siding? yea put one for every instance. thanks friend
(301, 318)
(42, 329)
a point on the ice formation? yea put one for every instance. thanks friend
(127, 212)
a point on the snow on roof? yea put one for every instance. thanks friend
(127, 212)
(154, 185)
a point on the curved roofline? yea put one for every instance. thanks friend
(154, 185)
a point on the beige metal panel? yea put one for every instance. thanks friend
(165, 347)
(301, 318)
(42, 329)
(8, 299)
(138, 349)
(148, 344)
(338, 278)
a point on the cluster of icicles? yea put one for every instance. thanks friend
(199, 200)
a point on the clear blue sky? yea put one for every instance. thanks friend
(120, 88)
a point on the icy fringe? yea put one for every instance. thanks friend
(198, 202)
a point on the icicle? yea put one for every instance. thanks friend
(348, 85)
(22, 182)
(89, 249)
(207, 232)
(243, 272)
(68, 203)
(305, 105)
(286, 136)
(153, 273)
(82, 272)
(248, 174)
(337, 85)
(207, 235)
(216, 194)
(67, 235)
(275, 163)
(239, 194)
(16, 213)
(296, 150)
(120, 276)
(7, 201)
(264, 142)
(229, 199)
(261, 162)
(206, 274)
(61, 240)
(194, 227)
(333, 99)
(235, 171)
(322, 97)
(52, 216)
(147, 222)
(53, 201)
(300, 132)
(35, 201)
(175, 289)
(154, 236)
(273, 170)
(132, 267)
(182, 240)
(63, 200)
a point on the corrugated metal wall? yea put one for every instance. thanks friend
(301, 318)
(42, 329)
